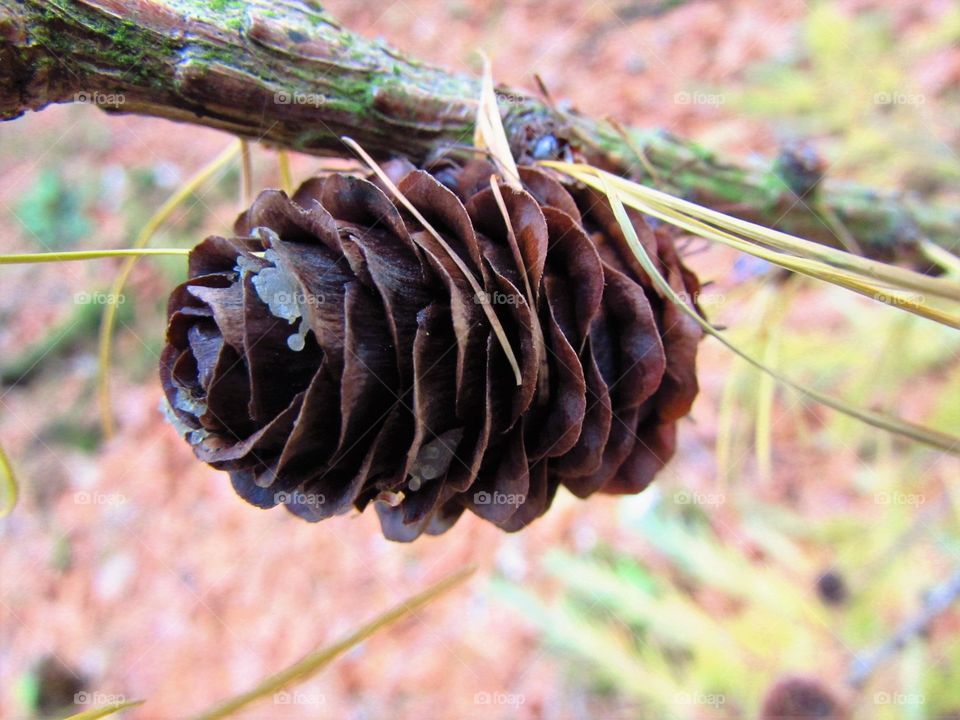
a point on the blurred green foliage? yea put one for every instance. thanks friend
(849, 84)
(702, 627)
(75, 333)
(55, 211)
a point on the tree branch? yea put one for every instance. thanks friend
(288, 74)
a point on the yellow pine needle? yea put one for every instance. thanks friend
(763, 430)
(726, 429)
(514, 245)
(769, 343)
(638, 151)
(543, 379)
(74, 255)
(315, 661)
(490, 134)
(9, 489)
(246, 174)
(892, 363)
(908, 302)
(934, 438)
(105, 339)
(110, 709)
(873, 269)
(814, 256)
(492, 318)
(286, 177)
(942, 257)
(837, 227)
(775, 301)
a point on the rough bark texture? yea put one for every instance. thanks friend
(288, 74)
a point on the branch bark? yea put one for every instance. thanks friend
(287, 74)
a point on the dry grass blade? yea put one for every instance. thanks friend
(490, 134)
(105, 338)
(934, 438)
(105, 711)
(814, 256)
(309, 665)
(9, 489)
(492, 318)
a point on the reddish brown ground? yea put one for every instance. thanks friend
(172, 589)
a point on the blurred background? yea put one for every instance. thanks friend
(782, 546)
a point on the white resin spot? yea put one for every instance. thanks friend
(434, 458)
(278, 288)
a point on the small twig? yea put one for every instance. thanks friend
(639, 152)
(196, 67)
(545, 92)
(639, 9)
(918, 528)
(936, 602)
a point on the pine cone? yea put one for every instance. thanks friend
(801, 698)
(332, 353)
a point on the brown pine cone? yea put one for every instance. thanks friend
(801, 698)
(333, 353)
